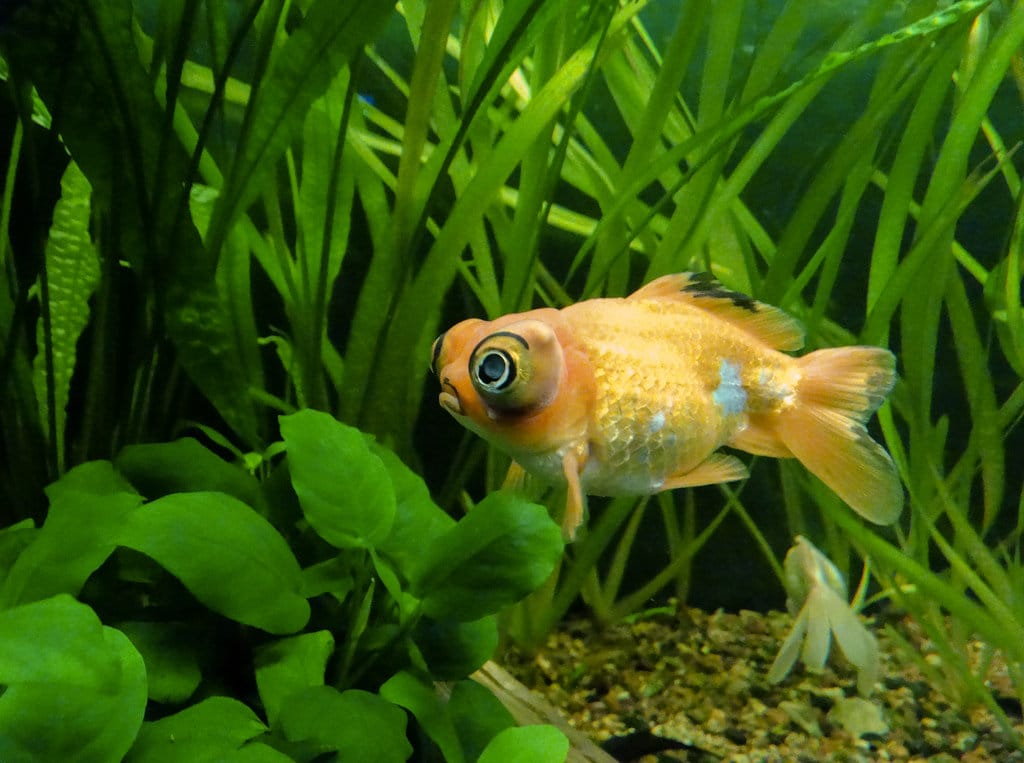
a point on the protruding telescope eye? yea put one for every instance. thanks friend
(495, 370)
(435, 354)
(517, 370)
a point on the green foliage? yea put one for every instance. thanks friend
(335, 660)
(59, 661)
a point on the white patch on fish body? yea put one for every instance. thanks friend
(730, 395)
(657, 422)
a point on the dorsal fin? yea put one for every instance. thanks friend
(771, 325)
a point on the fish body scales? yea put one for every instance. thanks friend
(672, 385)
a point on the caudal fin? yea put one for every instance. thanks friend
(838, 391)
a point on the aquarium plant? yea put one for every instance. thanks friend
(171, 607)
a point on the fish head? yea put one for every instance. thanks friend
(516, 381)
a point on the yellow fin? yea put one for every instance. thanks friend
(716, 468)
(574, 498)
(771, 325)
(760, 438)
(839, 389)
(516, 479)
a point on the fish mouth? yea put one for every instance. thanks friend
(449, 398)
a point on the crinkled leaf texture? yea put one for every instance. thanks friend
(74, 689)
(498, 553)
(226, 554)
(72, 275)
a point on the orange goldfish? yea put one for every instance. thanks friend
(634, 396)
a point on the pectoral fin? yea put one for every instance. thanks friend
(574, 498)
(716, 468)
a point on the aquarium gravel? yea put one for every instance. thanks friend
(692, 686)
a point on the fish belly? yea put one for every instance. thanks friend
(672, 386)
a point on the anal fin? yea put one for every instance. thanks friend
(760, 438)
(716, 468)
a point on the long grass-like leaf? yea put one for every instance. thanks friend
(302, 69)
(104, 107)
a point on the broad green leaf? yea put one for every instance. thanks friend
(527, 744)
(226, 554)
(73, 688)
(497, 554)
(478, 715)
(343, 487)
(14, 540)
(333, 576)
(212, 730)
(88, 508)
(97, 478)
(418, 520)
(183, 466)
(421, 698)
(168, 649)
(72, 275)
(455, 649)
(360, 725)
(290, 664)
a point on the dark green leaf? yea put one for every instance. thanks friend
(285, 666)
(344, 488)
(454, 649)
(478, 715)
(184, 466)
(172, 667)
(14, 540)
(93, 477)
(359, 724)
(302, 68)
(421, 698)
(333, 576)
(226, 554)
(73, 689)
(418, 520)
(497, 554)
(83, 59)
(527, 744)
(212, 730)
(87, 510)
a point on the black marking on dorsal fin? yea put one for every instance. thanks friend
(771, 325)
(706, 285)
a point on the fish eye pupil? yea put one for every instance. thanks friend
(495, 370)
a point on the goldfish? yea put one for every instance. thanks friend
(636, 395)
